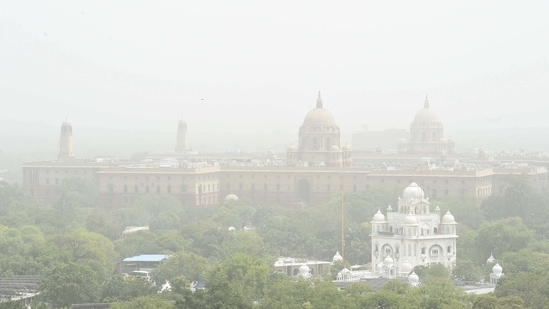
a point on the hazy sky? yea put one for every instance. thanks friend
(145, 64)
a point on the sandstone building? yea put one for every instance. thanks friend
(310, 173)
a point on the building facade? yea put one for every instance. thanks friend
(319, 141)
(426, 135)
(412, 235)
(316, 169)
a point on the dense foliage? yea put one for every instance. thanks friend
(76, 245)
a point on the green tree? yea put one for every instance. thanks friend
(525, 261)
(437, 292)
(69, 283)
(83, 247)
(186, 264)
(520, 200)
(467, 270)
(531, 288)
(119, 288)
(499, 237)
(244, 274)
(490, 301)
(145, 302)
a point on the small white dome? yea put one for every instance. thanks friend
(388, 261)
(337, 257)
(379, 216)
(410, 219)
(304, 270)
(334, 148)
(413, 279)
(389, 208)
(497, 269)
(491, 259)
(346, 148)
(231, 228)
(406, 267)
(230, 198)
(448, 218)
(413, 193)
(292, 147)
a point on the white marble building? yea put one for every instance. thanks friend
(411, 235)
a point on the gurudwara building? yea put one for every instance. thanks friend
(308, 174)
(411, 235)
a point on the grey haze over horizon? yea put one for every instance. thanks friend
(249, 66)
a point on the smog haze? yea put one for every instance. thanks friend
(243, 74)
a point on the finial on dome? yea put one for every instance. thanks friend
(426, 102)
(319, 101)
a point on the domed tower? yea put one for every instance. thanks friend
(413, 200)
(378, 222)
(65, 142)
(317, 136)
(413, 235)
(426, 132)
(291, 155)
(448, 224)
(402, 146)
(347, 158)
(181, 136)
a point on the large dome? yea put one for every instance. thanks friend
(426, 115)
(413, 193)
(319, 115)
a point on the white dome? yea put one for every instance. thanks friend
(304, 270)
(410, 219)
(379, 216)
(231, 197)
(426, 116)
(413, 278)
(406, 267)
(334, 148)
(346, 148)
(497, 269)
(448, 218)
(388, 261)
(389, 208)
(292, 147)
(491, 259)
(337, 257)
(231, 228)
(413, 193)
(319, 116)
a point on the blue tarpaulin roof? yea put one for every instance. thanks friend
(147, 258)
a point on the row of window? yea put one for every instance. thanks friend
(67, 171)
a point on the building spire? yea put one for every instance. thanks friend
(319, 101)
(426, 102)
